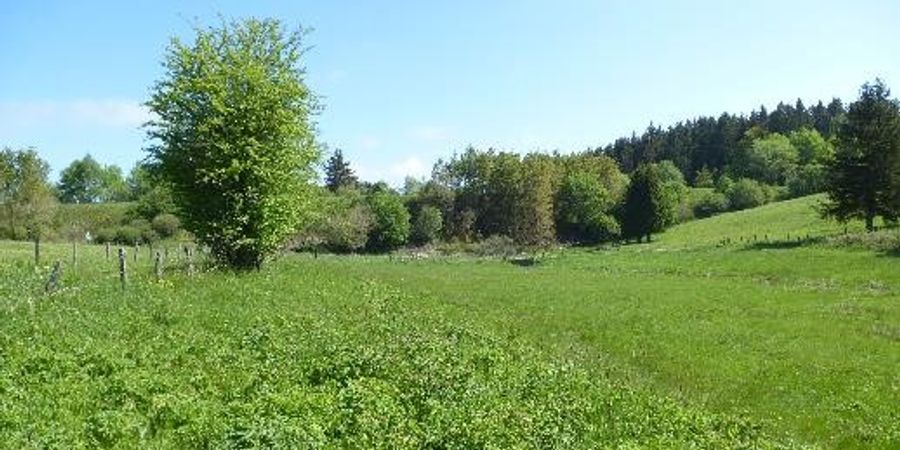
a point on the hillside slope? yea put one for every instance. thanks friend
(778, 221)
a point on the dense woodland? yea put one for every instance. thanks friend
(627, 190)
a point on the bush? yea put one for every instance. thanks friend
(497, 245)
(708, 203)
(746, 193)
(427, 226)
(127, 235)
(583, 207)
(391, 221)
(166, 225)
(809, 179)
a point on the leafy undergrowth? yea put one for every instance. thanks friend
(299, 357)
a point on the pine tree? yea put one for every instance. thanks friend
(338, 173)
(864, 176)
(648, 207)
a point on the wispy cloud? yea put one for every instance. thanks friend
(369, 142)
(430, 133)
(97, 112)
(411, 166)
(394, 173)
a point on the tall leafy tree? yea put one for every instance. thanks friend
(864, 177)
(151, 193)
(390, 227)
(648, 208)
(338, 173)
(87, 181)
(235, 138)
(26, 197)
(583, 207)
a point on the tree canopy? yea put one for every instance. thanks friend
(338, 173)
(87, 181)
(864, 177)
(234, 136)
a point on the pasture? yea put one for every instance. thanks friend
(681, 343)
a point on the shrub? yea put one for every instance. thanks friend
(497, 245)
(427, 226)
(391, 221)
(128, 235)
(746, 193)
(708, 203)
(809, 179)
(166, 225)
(582, 210)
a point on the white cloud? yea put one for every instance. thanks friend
(101, 112)
(411, 166)
(430, 133)
(394, 173)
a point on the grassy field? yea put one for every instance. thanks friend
(682, 343)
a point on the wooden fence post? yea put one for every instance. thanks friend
(190, 258)
(37, 250)
(157, 269)
(107, 251)
(137, 248)
(53, 281)
(122, 270)
(74, 253)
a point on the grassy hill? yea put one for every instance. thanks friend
(795, 218)
(681, 343)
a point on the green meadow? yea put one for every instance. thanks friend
(704, 338)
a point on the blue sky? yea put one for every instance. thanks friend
(407, 82)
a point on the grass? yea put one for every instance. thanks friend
(682, 343)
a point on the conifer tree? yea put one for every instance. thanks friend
(864, 177)
(648, 208)
(338, 173)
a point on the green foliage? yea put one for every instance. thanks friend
(234, 137)
(708, 202)
(87, 181)
(583, 210)
(771, 159)
(863, 180)
(497, 246)
(811, 147)
(166, 225)
(338, 174)
(151, 193)
(649, 204)
(427, 225)
(746, 193)
(704, 178)
(809, 179)
(534, 217)
(390, 225)
(330, 361)
(26, 198)
(341, 223)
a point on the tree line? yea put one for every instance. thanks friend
(232, 151)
